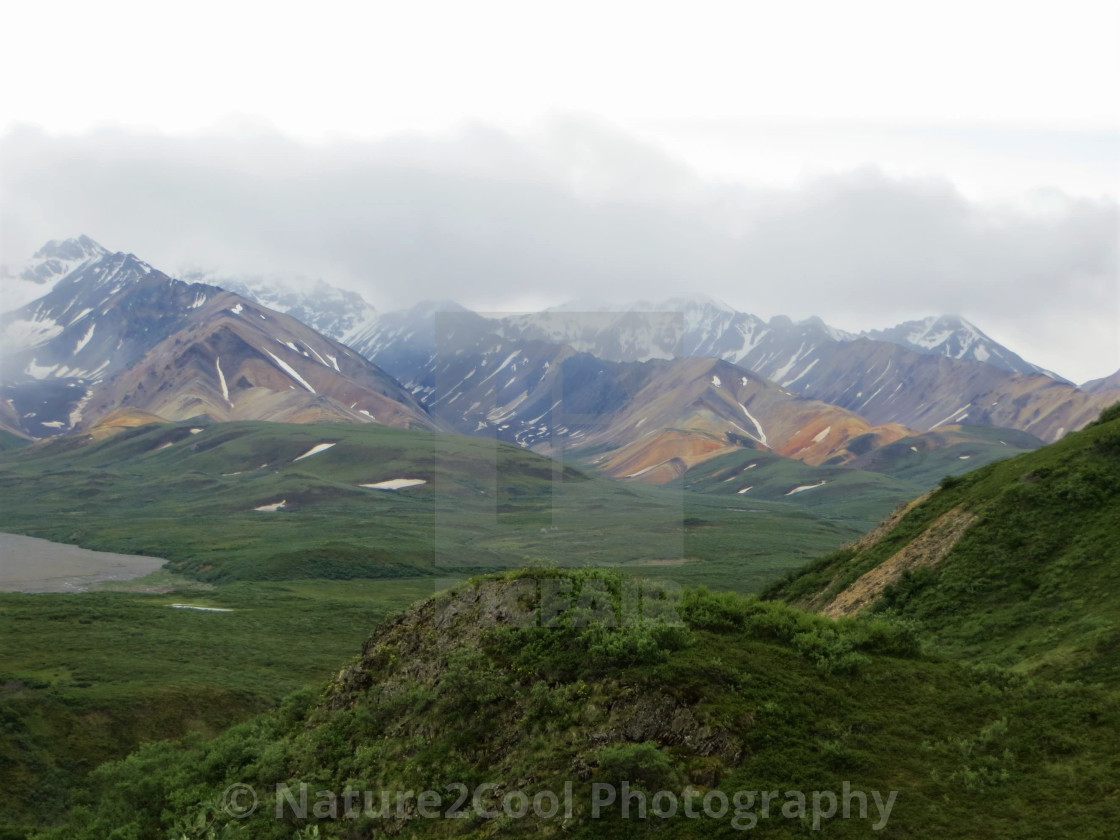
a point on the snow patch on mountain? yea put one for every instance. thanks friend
(314, 450)
(291, 371)
(758, 426)
(222, 380)
(84, 340)
(396, 484)
(803, 487)
(955, 338)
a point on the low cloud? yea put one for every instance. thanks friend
(577, 210)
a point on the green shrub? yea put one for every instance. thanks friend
(642, 765)
(633, 644)
(470, 681)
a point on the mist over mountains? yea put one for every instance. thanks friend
(579, 209)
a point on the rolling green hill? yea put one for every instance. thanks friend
(839, 492)
(860, 488)
(1017, 563)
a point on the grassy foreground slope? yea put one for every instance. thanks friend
(86, 678)
(189, 493)
(939, 672)
(741, 696)
(1017, 563)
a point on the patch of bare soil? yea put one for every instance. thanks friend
(887, 525)
(927, 549)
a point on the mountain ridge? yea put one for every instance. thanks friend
(116, 332)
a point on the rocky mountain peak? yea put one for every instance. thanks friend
(77, 248)
(60, 257)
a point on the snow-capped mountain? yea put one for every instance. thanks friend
(780, 348)
(407, 341)
(96, 320)
(51, 263)
(336, 313)
(883, 381)
(922, 374)
(653, 418)
(698, 326)
(673, 328)
(115, 332)
(889, 383)
(642, 384)
(955, 338)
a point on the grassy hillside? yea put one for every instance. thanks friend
(188, 493)
(925, 459)
(9, 441)
(944, 686)
(835, 492)
(742, 695)
(86, 678)
(861, 490)
(1033, 580)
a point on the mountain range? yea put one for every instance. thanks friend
(114, 333)
(920, 374)
(645, 392)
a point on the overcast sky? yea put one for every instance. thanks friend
(865, 162)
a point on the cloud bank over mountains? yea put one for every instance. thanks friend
(577, 209)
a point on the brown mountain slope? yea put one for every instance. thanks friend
(889, 384)
(1109, 385)
(694, 409)
(240, 361)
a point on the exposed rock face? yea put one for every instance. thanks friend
(1108, 385)
(889, 384)
(918, 374)
(650, 393)
(655, 419)
(638, 717)
(96, 320)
